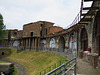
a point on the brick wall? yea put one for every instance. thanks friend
(32, 27)
(4, 52)
(55, 29)
(20, 34)
(35, 28)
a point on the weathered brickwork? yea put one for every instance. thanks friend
(20, 34)
(36, 28)
(55, 29)
(80, 37)
(4, 52)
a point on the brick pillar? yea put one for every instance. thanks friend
(29, 42)
(26, 42)
(38, 42)
(98, 65)
(22, 42)
(33, 43)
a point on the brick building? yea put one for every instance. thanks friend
(83, 34)
(34, 34)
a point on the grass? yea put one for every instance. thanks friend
(15, 71)
(34, 61)
(2, 62)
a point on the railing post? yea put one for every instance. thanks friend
(63, 72)
(75, 66)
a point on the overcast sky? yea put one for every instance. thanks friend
(16, 13)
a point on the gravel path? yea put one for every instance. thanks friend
(21, 69)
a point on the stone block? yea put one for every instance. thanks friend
(7, 68)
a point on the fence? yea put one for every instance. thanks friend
(64, 68)
(43, 72)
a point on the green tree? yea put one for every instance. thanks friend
(2, 28)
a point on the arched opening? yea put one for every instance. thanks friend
(84, 39)
(97, 39)
(61, 44)
(52, 43)
(72, 42)
(43, 43)
(15, 44)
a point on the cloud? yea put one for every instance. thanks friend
(16, 13)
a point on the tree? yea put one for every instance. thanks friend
(2, 28)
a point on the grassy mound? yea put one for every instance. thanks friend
(34, 61)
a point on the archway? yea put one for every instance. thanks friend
(15, 44)
(61, 44)
(43, 43)
(52, 43)
(97, 39)
(72, 42)
(84, 39)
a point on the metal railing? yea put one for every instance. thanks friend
(50, 68)
(64, 68)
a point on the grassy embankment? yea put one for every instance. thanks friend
(34, 61)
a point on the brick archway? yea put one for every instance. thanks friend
(61, 44)
(52, 43)
(97, 39)
(72, 41)
(84, 39)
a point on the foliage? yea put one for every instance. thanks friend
(2, 28)
(15, 71)
(34, 61)
(81, 50)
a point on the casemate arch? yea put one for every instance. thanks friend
(61, 44)
(52, 43)
(15, 44)
(84, 39)
(97, 35)
(72, 42)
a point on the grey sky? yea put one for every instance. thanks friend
(16, 13)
